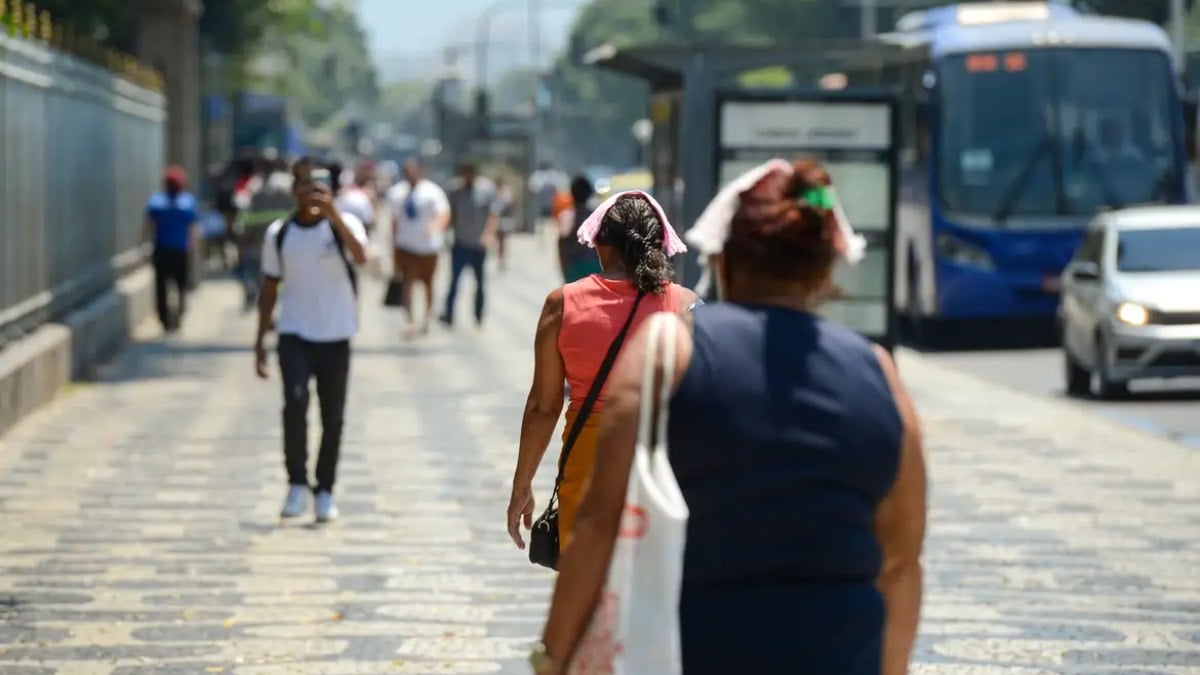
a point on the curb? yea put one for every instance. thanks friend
(35, 368)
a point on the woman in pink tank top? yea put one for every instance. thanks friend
(578, 325)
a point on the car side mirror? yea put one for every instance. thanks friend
(1085, 271)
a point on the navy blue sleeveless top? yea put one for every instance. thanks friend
(784, 436)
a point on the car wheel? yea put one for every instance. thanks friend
(1100, 382)
(1077, 376)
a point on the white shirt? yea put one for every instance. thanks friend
(317, 300)
(429, 202)
(357, 202)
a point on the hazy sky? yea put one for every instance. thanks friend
(409, 37)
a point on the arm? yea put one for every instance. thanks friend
(584, 563)
(266, 309)
(441, 209)
(353, 238)
(542, 409)
(271, 271)
(900, 529)
(490, 228)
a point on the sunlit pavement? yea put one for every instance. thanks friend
(139, 529)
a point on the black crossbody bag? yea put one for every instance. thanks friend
(544, 536)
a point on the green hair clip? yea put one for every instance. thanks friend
(822, 197)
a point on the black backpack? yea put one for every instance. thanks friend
(283, 230)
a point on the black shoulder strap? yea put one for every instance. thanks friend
(283, 230)
(594, 393)
(341, 247)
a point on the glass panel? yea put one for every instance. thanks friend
(995, 123)
(1053, 132)
(1164, 250)
(1115, 153)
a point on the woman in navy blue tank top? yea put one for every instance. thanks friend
(797, 450)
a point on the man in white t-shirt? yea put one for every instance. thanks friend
(314, 253)
(421, 214)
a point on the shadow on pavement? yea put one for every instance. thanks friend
(989, 335)
(171, 357)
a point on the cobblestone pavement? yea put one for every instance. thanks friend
(139, 529)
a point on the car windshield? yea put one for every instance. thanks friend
(1053, 132)
(1162, 250)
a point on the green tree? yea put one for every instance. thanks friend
(597, 108)
(109, 22)
(330, 65)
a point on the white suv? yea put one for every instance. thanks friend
(1131, 300)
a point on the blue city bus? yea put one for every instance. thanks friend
(1020, 121)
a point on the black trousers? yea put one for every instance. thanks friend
(170, 267)
(329, 363)
(462, 257)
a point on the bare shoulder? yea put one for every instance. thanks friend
(552, 308)
(886, 362)
(687, 297)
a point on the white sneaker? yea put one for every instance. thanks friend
(296, 503)
(326, 509)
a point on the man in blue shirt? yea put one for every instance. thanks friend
(171, 220)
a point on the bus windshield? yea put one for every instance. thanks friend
(1057, 132)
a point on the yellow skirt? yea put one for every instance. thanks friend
(576, 473)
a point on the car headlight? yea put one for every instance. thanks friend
(964, 253)
(1132, 314)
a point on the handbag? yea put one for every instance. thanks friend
(634, 629)
(394, 297)
(544, 535)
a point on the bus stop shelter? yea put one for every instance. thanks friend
(708, 127)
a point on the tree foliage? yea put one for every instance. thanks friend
(331, 67)
(597, 108)
(321, 42)
(109, 22)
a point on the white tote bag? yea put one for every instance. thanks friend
(635, 628)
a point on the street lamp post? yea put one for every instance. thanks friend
(483, 28)
(1179, 31)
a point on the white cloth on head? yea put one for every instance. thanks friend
(672, 244)
(711, 230)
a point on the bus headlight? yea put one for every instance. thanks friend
(1133, 314)
(964, 253)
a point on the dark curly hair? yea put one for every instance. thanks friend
(777, 233)
(633, 229)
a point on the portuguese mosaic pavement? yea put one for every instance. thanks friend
(139, 530)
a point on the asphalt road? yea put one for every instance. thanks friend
(1167, 409)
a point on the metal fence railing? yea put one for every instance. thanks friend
(81, 149)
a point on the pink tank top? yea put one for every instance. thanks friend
(594, 309)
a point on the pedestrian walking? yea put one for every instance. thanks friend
(421, 214)
(796, 450)
(577, 261)
(579, 333)
(506, 209)
(315, 250)
(173, 225)
(474, 218)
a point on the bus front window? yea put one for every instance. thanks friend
(1055, 132)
